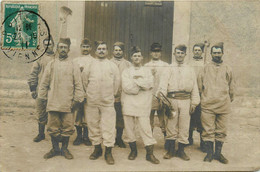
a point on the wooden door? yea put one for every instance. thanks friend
(134, 23)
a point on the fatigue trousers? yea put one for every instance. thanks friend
(42, 115)
(214, 126)
(79, 116)
(143, 123)
(177, 128)
(101, 122)
(60, 124)
(119, 115)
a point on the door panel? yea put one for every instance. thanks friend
(133, 23)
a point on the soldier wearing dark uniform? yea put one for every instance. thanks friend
(34, 81)
(197, 62)
(216, 85)
(122, 64)
(61, 87)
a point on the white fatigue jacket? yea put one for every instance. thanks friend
(216, 84)
(38, 70)
(101, 80)
(180, 77)
(83, 61)
(61, 84)
(137, 93)
(157, 67)
(122, 64)
(197, 64)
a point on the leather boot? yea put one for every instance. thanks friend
(150, 156)
(97, 152)
(119, 141)
(55, 151)
(78, 139)
(108, 156)
(190, 137)
(170, 150)
(218, 156)
(209, 150)
(64, 149)
(166, 146)
(41, 135)
(133, 153)
(181, 153)
(202, 145)
(86, 140)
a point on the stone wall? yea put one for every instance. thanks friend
(237, 24)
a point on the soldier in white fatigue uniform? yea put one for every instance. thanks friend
(179, 84)
(216, 84)
(61, 87)
(137, 84)
(101, 81)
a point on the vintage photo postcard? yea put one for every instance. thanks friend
(129, 85)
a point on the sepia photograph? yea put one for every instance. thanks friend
(129, 85)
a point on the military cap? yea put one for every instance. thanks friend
(97, 43)
(201, 45)
(218, 45)
(120, 44)
(181, 47)
(156, 47)
(85, 41)
(65, 41)
(134, 49)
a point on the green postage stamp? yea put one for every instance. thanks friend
(20, 26)
(23, 31)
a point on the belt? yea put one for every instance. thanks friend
(180, 95)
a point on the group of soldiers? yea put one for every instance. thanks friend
(102, 97)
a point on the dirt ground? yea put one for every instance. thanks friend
(19, 153)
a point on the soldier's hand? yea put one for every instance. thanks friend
(192, 109)
(34, 94)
